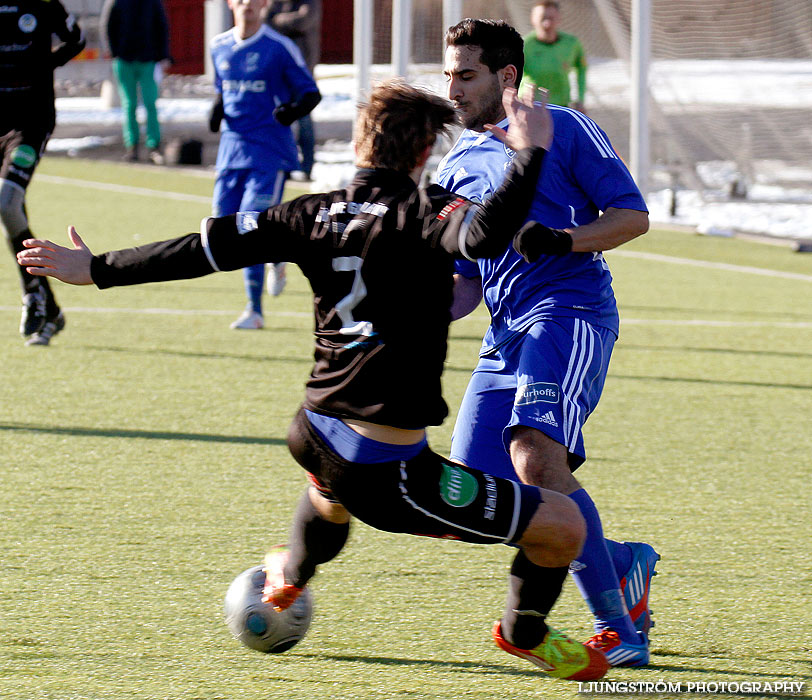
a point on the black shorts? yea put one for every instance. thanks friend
(427, 495)
(21, 150)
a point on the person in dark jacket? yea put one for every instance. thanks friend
(27, 118)
(137, 37)
(300, 20)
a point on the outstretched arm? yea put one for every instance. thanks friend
(44, 258)
(225, 243)
(184, 257)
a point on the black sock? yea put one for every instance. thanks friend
(313, 541)
(30, 283)
(532, 593)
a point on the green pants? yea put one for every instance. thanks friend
(129, 76)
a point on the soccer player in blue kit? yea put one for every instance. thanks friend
(554, 322)
(263, 86)
(361, 431)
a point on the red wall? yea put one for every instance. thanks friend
(336, 31)
(186, 35)
(187, 42)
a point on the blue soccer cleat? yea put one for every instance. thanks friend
(636, 582)
(618, 652)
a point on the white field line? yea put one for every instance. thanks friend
(712, 265)
(124, 189)
(712, 323)
(178, 196)
(151, 311)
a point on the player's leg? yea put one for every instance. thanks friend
(478, 441)
(410, 489)
(306, 139)
(229, 191)
(319, 531)
(41, 316)
(482, 416)
(534, 587)
(149, 96)
(561, 367)
(264, 189)
(127, 82)
(320, 525)
(441, 499)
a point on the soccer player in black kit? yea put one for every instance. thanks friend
(27, 118)
(381, 332)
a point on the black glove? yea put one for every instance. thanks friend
(286, 114)
(289, 112)
(534, 240)
(216, 115)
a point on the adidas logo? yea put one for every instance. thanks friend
(462, 172)
(549, 418)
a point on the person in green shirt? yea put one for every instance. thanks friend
(550, 55)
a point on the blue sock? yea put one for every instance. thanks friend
(254, 278)
(594, 573)
(621, 556)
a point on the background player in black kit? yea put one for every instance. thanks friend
(381, 334)
(27, 118)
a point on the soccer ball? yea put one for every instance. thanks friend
(257, 624)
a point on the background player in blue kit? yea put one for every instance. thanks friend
(263, 86)
(554, 322)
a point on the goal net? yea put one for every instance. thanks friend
(730, 87)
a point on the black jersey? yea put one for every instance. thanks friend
(28, 59)
(379, 257)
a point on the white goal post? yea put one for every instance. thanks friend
(453, 12)
(706, 101)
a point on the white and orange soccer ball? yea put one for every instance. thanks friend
(257, 624)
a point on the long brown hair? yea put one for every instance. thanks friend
(397, 123)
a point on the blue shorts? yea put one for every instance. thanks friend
(247, 189)
(549, 377)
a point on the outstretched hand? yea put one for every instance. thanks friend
(530, 121)
(43, 258)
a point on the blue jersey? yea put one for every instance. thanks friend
(582, 176)
(255, 76)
